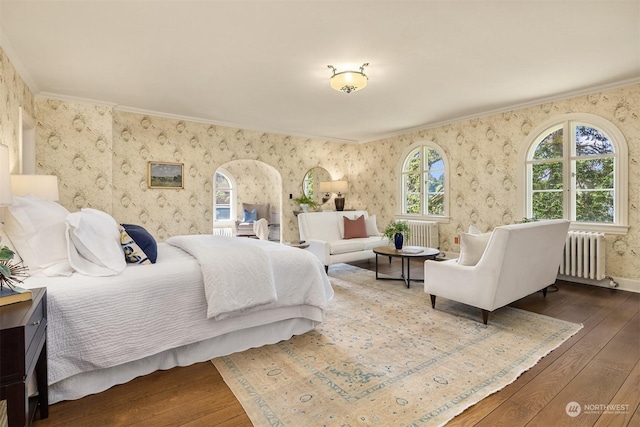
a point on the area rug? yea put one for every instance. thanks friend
(383, 357)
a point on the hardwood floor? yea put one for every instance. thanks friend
(598, 366)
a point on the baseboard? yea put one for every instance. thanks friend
(623, 284)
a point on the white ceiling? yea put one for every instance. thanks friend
(262, 65)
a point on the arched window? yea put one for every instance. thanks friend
(225, 196)
(424, 181)
(576, 169)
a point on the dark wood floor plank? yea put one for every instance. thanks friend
(527, 402)
(628, 394)
(478, 412)
(612, 366)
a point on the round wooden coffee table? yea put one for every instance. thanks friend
(406, 253)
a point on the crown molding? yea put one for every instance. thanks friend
(537, 101)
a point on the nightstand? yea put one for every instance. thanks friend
(23, 351)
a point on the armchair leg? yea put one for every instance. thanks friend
(433, 301)
(485, 316)
(326, 269)
(544, 292)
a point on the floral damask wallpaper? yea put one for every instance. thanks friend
(14, 93)
(100, 154)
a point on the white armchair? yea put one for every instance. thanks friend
(519, 259)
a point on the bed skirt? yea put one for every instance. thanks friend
(86, 383)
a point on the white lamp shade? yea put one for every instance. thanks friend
(6, 198)
(44, 187)
(325, 186)
(339, 187)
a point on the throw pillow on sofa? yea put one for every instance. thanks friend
(472, 246)
(355, 228)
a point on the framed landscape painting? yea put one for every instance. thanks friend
(165, 175)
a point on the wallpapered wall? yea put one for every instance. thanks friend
(14, 93)
(101, 154)
(85, 144)
(484, 154)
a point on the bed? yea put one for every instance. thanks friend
(107, 330)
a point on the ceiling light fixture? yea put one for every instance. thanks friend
(349, 81)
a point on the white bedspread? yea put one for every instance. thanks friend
(101, 322)
(237, 276)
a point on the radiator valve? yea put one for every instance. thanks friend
(612, 282)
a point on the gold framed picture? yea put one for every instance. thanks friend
(165, 175)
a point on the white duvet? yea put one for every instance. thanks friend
(237, 277)
(100, 322)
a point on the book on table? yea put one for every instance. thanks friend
(11, 296)
(411, 250)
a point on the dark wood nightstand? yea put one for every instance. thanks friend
(23, 351)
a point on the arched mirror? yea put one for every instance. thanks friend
(311, 184)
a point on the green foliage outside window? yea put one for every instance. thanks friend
(424, 184)
(593, 171)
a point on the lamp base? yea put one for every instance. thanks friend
(339, 203)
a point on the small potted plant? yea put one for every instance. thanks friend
(10, 272)
(396, 232)
(305, 202)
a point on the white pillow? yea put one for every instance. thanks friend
(372, 226)
(472, 247)
(37, 230)
(94, 243)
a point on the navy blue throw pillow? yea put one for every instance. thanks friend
(144, 240)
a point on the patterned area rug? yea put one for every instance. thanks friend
(384, 357)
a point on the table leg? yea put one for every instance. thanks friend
(408, 272)
(376, 266)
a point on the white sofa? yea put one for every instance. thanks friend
(519, 259)
(324, 231)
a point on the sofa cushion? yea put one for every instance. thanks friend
(374, 242)
(354, 228)
(345, 246)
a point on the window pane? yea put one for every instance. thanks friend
(594, 206)
(412, 183)
(594, 174)
(223, 212)
(412, 163)
(411, 187)
(592, 142)
(412, 202)
(222, 181)
(550, 147)
(547, 176)
(547, 205)
(434, 160)
(223, 197)
(435, 204)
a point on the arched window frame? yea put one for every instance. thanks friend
(233, 195)
(400, 173)
(621, 180)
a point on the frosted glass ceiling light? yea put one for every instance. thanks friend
(349, 81)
